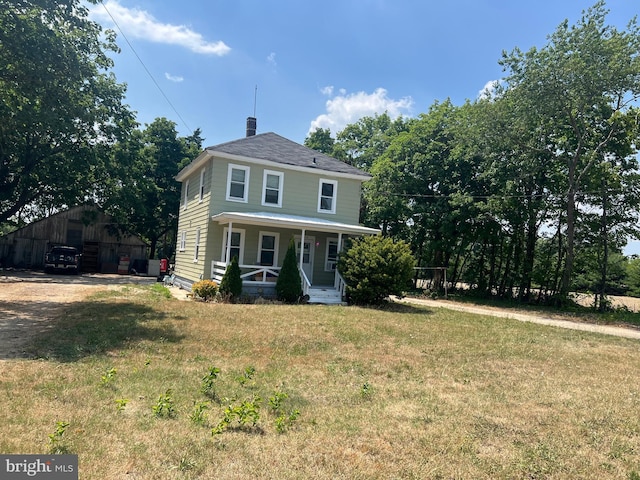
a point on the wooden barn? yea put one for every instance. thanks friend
(84, 227)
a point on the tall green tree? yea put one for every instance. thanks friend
(320, 139)
(59, 104)
(145, 199)
(579, 89)
(361, 143)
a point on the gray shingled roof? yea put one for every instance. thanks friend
(274, 148)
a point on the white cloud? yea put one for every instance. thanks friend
(137, 23)
(173, 78)
(344, 108)
(271, 59)
(328, 90)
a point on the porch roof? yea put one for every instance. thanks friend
(292, 221)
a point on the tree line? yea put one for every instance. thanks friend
(532, 190)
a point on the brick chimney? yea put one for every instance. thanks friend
(251, 126)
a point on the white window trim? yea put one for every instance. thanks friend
(185, 200)
(201, 191)
(196, 247)
(328, 265)
(183, 241)
(334, 198)
(275, 246)
(247, 170)
(280, 175)
(225, 234)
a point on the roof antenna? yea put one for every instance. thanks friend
(255, 100)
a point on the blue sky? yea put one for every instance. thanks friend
(318, 64)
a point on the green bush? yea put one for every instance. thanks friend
(231, 284)
(289, 285)
(205, 289)
(375, 267)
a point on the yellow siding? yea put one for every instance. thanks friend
(194, 216)
(299, 195)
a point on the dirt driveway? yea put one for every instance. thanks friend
(525, 316)
(30, 300)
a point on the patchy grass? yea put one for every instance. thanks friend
(402, 392)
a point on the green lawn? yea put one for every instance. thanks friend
(341, 392)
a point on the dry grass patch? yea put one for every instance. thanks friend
(403, 392)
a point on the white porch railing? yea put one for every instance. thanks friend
(340, 285)
(259, 274)
(248, 273)
(306, 284)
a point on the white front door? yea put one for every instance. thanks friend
(307, 255)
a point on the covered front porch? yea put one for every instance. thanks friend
(260, 240)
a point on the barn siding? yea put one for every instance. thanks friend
(78, 226)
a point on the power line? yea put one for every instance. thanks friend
(145, 67)
(448, 196)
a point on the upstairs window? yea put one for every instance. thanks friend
(272, 188)
(327, 196)
(238, 183)
(202, 178)
(186, 195)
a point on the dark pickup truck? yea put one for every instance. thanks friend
(62, 258)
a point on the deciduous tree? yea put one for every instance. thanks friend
(579, 89)
(59, 104)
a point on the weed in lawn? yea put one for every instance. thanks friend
(165, 407)
(108, 377)
(208, 385)
(366, 390)
(284, 421)
(186, 464)
(243, 413)
(121, 403)
(198, 414)
(275, 400)
(56, 445)
(247, 375)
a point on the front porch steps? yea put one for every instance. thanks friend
(325, 296)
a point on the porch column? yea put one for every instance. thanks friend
(228, 249)
(301, 248)
(339, 242)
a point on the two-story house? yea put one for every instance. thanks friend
(249, 197)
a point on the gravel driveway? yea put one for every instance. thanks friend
(30, 300)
